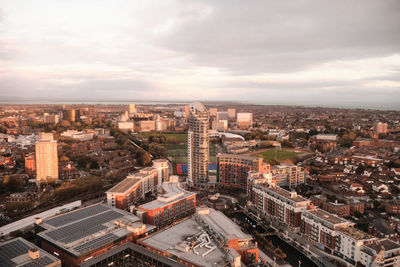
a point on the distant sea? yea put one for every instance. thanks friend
(349, 105)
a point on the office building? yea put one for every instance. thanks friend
(80, 235)
(18, 252)
(172, 203)
(232, 170)
(46, 158)
(244, 120)
(208, 239)
(198, 145)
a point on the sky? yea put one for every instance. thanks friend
(342, 52)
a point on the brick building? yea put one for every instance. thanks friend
(232, 170)
(172, 203)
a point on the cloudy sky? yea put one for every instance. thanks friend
(272, 52)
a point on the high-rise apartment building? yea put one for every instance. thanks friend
(213, 111)
(380, 128)
(222, 116)
(232, 113)
(244, 120)
(132, 109)
(198, 145)
(50, 118)
(46, 157)
(69, 115)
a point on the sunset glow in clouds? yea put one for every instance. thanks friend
(283, 52)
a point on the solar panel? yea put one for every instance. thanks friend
(76, 215)
(95, 243)
(42, 261)
(81, 229)
(12, 249)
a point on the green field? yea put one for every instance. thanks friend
(279, 155)
(171, 137)
(178, 153)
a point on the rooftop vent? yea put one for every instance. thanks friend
(34, 253)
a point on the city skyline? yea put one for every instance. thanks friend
(304, 52)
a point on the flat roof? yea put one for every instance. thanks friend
(355, 233)
(89, 228)
(285, 193)
(132, 247)
(386, 243)
(15, 253)
(221, 224)
(245, 157)
(172, 193)
(124, 185)
(167, 240)
(329, 217)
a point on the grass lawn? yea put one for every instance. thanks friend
(178, 153)
(181, 137)
(279, 155)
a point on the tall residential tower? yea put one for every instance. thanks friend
(46, 157)
(198, 145)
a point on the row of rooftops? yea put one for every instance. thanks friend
(171, 192)
(278, 192)
(88, 228)
(131, 180)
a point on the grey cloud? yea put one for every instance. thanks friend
(280, 36)
(16, 86)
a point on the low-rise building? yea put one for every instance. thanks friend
(382, 253)
(85, 233)
(208, 239)
(133, 188)
(172, 202)
(20, 253)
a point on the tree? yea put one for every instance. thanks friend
(360, 169)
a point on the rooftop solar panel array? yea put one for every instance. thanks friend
(76, 215)
(81, 229)
(95, 243)
(11, 250)
(42, 261)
